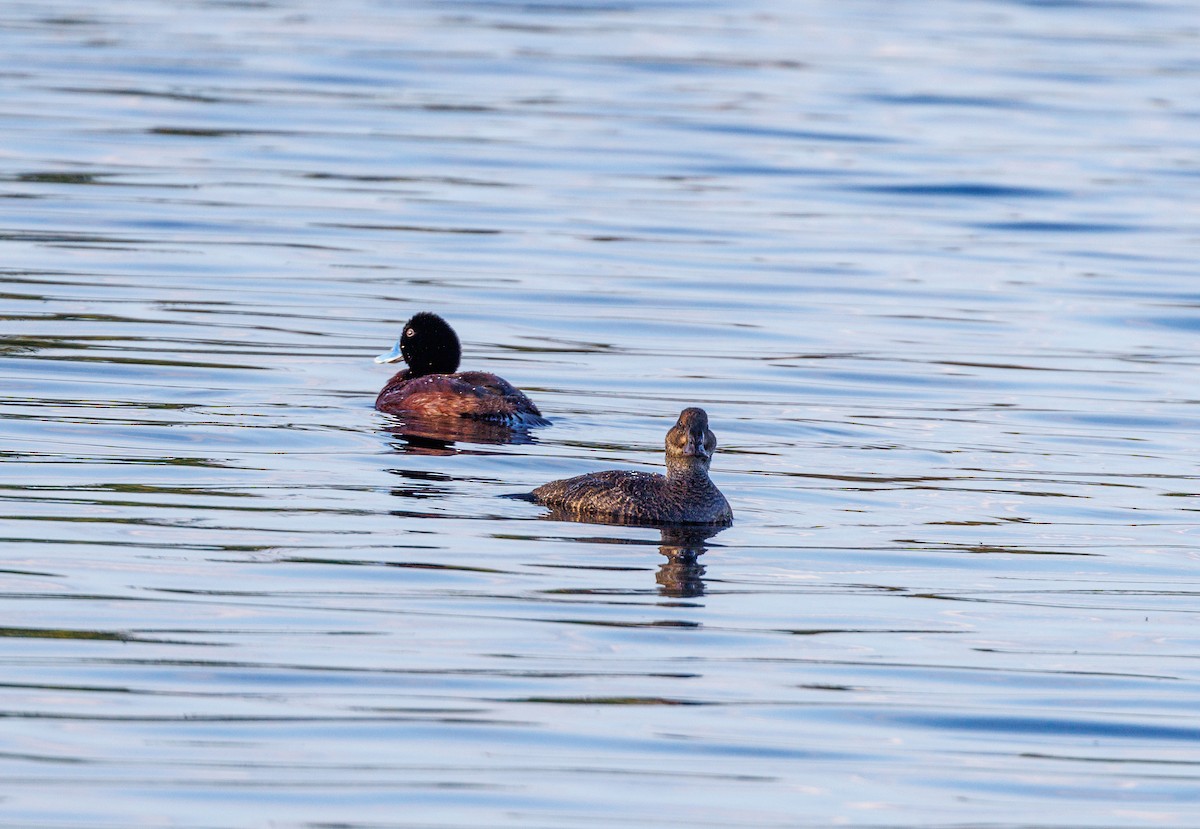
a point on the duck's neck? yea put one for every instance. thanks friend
(424, 371)
(398, 379)
(687, 469)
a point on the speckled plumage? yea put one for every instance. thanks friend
(431, 388)
(685, 495)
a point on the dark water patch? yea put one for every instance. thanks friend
(1143, 258)
(204, 132)
(147, 546)
(458, 181)
(87, 635)
(1014, 366)
(46, 457)
(1051, 728)
(972, 190)
(640, 701)
(942, 100)
(139, 92)
(36, 573)
(660, 623)
(1098, 228)
(264, 719)
(59, 178)
(51, 237)
(1099, 78)
(911, 382)
(670, 65)
(473, 231)
(467, 108)
(356, 673)
(826, 631)
(991, 549)
(1189, 323)
(1113, 605)
(143, 361)
(138, 489)
(752, 170)
(124, 520)
(928, 318)
(80, 501)
(782, 132)
(406, 565)
(1109, 758)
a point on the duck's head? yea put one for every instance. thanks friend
(428, 344)
(690, 437)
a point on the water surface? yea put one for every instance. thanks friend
(930, 270)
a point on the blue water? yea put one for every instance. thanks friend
(931, 270)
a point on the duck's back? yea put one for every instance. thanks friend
(623, 496)
(476, 395)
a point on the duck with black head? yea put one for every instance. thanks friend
(685, 495)
(432, 388)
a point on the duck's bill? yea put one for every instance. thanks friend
(392, 356)
(696, 448)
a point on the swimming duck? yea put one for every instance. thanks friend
(684, 496)
(432, 387)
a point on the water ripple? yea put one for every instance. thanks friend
(928, 273)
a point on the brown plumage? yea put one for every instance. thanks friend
(431, 388)
(685, 495)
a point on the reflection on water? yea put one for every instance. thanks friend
(931, 269)
(681, 576)
(439, 436)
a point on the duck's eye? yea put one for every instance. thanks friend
(410, 332)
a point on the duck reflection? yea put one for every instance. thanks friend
(681, 576)
(438, 436)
